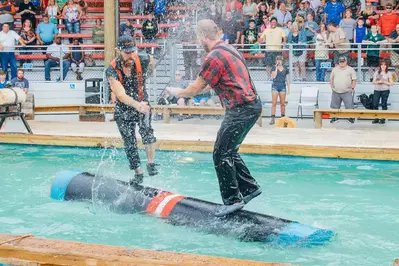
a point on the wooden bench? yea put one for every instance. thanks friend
(320, 114)
(165, 110)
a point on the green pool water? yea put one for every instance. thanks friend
(357, 199)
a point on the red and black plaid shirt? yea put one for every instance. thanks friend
(228, 76)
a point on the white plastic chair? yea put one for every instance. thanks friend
(309, 96)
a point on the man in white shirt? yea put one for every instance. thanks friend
(7, 46)
(55, 53)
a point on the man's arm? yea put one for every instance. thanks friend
(353, 84)
(193, 89)
(119, 91)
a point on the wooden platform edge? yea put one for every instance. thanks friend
(41, 251)
(207, 146)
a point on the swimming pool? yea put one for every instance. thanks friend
(356, 199)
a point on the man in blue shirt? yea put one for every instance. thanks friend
(45, 31)
(334, 11)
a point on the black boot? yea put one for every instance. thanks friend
(152, 170)
(375, 121)
(382, 121)
(137, 180)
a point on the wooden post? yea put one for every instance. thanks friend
(318, 121)
(166, 115)
(109, 28)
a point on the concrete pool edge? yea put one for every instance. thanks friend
(63, 252)
(323, 151)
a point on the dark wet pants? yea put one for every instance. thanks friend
(235, 180)
(127, 127)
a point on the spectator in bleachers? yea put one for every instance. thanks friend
(54, 53)
(308, 9)
(301, 11)
(232, 3)
(127, 29)
(291, 7)
(46, 31)
(388, 21)
(342, 82)
(137, 7)
(7, 46)
(262, 11)
(20, 81)
(274, 37)
(373, 39)
(237, 15)
(354, 6)
(338, 41)
(3, 81)
(214, 15)
(310, 28)
(72, 13)
(29, 37)
(52, 11)
(250, 35)
(249, 12)
(369, 16)
(150, 29)
(334, 12)
(264, 25)
(44, 4)
(83, 6)
(61, 4)
(231, 28)
(282, 15)
(348, 24)
(160, 10)
(394, 55)
(360, 31)
(27, 11)
(298, 38)
(7, 13)
(77, 59)
(149, 7)
(321, 53)
(189, 57)
(320, 13)
(98, 32)
(383, 81)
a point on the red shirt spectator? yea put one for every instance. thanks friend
(238, 5)
(228, 76)
(388, 21)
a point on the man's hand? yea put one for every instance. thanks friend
(142, 107)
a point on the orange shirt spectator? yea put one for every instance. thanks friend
(387, 22)
(7, 15)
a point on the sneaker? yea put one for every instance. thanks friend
(251, 196)
(334, 120)
(351, 120)
(137, 180)
(382, 121)
(223, 210)
(272, 121)
(375, 121)
(152, 170)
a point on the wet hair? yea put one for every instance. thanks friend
(207, 28)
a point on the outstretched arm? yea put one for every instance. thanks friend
(193, 89)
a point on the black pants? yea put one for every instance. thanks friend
(383, 95)
(127, 127)
(235, 180)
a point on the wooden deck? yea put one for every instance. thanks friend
(331, 143)
(39, 251)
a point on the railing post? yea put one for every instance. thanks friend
(61, 65)
(290, 62)
(359, 63)
(173, 59)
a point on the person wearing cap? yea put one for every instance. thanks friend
(127, 29)
(388, 21)
(224, 70)
(54, 53)
(127, 76)
(343, 82)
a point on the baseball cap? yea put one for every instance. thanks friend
(126, 44)
(342, 59)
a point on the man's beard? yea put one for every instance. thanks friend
(127, 63)
(205, 46)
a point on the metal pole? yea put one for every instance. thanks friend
(359, 63)
(289, 63)
(117, 19)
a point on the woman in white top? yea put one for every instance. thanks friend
(52, 11)
(383, 81)
(249, 11)
(71, 14)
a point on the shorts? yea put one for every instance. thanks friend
(270, 57)
(373, 61)
(279, 89)
(199, 99)
(301, 58)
